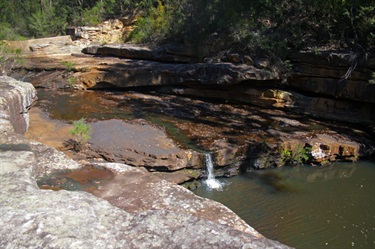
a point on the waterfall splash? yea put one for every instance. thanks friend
(211, 181)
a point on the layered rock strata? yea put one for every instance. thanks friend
(172, 70)
(330, 85)
(35, 218)
(15, 101)
(334, 74)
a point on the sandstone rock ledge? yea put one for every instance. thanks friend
(35, 218)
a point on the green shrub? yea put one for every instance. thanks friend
(46, 22)
(93, 16)
(297, 156)
(8, 58)
(81, 132)
(153, 26)
(7, 32)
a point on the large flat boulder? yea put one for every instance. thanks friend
(166, 53)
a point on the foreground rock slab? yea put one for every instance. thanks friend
(35, 218)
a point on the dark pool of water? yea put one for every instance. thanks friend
(306, 207)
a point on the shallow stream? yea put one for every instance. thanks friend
(304, 207)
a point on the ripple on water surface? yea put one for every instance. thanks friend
(306, 207)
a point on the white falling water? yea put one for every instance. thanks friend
(211, 181)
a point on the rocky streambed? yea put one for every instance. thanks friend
(204, 107)
(170, 134)
(160, 111)
(151, 214)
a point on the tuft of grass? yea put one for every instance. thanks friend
(69, 65)
(81, 132)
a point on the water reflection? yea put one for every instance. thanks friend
(331, 172)
(274, 181)
(307, 207)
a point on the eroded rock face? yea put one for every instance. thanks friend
(327, 147)
(15, 101)
(148, 73)
(329, 85)
(167, 53)
(110, 31)
(237, 136)
(35, 218)
(141, 69)
(342, 75)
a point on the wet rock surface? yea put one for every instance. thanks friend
(234, 133)
(169, 133)
(140, 145)
(136, 190)
(35, 218)
(238, 136)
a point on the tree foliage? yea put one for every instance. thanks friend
(271, 25)
(268, 25)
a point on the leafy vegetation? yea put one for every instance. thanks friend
(81, 132)
(210, 26)
(260, 25)
(8, 58)
(69, 65)
(297, 156)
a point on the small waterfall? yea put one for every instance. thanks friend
(211, 181)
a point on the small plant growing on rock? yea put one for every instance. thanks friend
(297, 156)
(81, 132)
(71, 82)
(69, 65)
